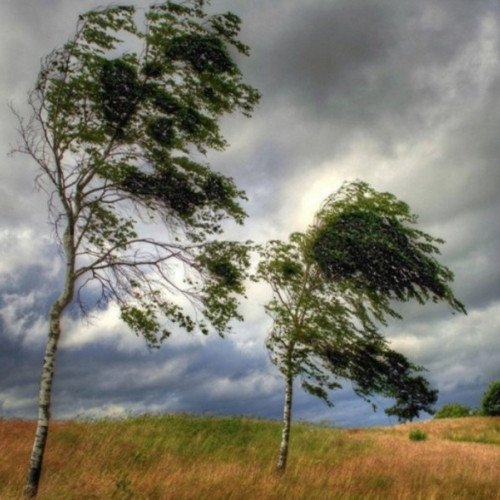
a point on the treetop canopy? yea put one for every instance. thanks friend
(122, 116)
(370, 239)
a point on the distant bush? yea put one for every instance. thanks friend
(454, 410)
(490, 403)
(418, 435)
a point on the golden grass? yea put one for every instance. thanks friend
(183, 457)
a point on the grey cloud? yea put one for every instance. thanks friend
(327, 48)
(383, 72)
(213, 377)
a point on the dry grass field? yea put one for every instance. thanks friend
(185, 457)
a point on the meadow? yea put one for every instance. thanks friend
(188, 457)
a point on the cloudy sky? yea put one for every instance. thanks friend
(402, 94)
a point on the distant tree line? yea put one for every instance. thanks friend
(490, 405)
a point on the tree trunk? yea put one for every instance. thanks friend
(35, 465)
(287, 415)
(44, 396)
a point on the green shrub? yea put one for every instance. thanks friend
(417, 435)
(490, 403)
(453, 410)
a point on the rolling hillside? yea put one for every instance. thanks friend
(186, 457)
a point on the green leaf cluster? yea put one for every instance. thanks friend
(226, 264)
(152, 107)
(369, 239)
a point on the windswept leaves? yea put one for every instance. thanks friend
(374, 368)
(226, 265)
(143, 113)
(188, 191)
(120, 93)
(370, 241)
(205, 53)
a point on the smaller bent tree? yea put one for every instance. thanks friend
(118, 136)
(332, 288)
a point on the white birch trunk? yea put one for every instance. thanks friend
(44, 397)
(287, 416)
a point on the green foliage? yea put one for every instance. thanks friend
(490, 402)
(114, 128)
(205, 53)
(375, 368)
(120, 93)
(368, 239)
(417, 435)
(216, 438)
(226, 264)
(453, 410)
(334, 284)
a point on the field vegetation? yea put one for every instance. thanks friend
(187, 457)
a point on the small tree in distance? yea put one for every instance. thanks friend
(118, 139)
(490, 402)
(454, 410)
(333, 285)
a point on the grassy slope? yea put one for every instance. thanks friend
(177, 457)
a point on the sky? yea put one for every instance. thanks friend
(404, 95)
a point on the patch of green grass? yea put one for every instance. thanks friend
(417, 435)
(323, 444)
(188, 437)
(123, 490)
(486, 435)
(144, 439)
(480, 438)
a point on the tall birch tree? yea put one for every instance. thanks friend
(119, 121)
(335, 285)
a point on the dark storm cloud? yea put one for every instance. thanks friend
(366, 61)
(337, 73)
(351, 65)
(210, 379)
(402, 94)
(194, 377)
